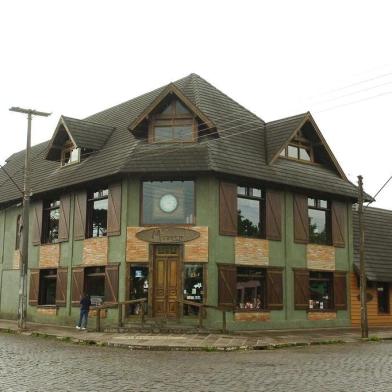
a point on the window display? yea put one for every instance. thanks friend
(47, 287)
(320, 290)
(193, 287)
(251, 288)
(95, 284)
(138, 286)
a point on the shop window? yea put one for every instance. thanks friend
(97, 212)
(50, 221)
(251, 211)
(320, 290)
(18, 232)
(383, 297)
(168, 202)
(251, 288)
(94, 284)
(319, 215)
(193, 287)
(173, 123)
(47, 287)
(138, 287)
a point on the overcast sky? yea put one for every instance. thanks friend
(277, 58)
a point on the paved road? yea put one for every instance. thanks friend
(38, 364)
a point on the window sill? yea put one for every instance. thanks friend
(47, 306)
(167, 224)
(321, 310)
(251, 311)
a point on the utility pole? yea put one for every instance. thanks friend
(362, 273)
(22, 304)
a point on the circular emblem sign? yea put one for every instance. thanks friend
(168, 203)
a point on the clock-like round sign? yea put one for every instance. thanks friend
(168, 203)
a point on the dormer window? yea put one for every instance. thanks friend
(173, 122)
(299, 148)
(70, 154)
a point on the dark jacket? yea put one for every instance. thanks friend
(85, 303)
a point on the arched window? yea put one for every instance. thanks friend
(172, 122)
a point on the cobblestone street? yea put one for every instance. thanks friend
(38, 364)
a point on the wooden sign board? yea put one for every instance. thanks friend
(167, 235)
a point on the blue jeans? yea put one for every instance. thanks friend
(83, 318)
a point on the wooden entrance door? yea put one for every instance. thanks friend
(166, 260)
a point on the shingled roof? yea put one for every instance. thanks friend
(378, 243)
(238, 146)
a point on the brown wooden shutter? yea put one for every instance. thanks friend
(80, 215)
(61, 286)
(111, 283)
(340, 290)
(228, 218)
(34, 287)
(301, 289)
(273, 207)
(77, 285)
(338, 218)
(65, 207)
(275, 288)
(227, 282)
(114, 209)
(37, 222)
(301, 220)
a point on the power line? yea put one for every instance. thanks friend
(379, 191)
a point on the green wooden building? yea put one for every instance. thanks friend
(182, 194)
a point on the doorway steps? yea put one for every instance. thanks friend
(159, 326)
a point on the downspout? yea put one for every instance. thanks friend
(285, 255)
(71, 241)
(2, 257)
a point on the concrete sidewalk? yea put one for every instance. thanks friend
(260, 340)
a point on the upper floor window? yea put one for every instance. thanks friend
(319, 215)
(299, 148)
(168, 202)
(50, 221)
(70, 154)
(173, 123)
(251, 211)
(97, 212)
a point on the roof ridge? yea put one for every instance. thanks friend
(88, 121)
(288, 118)
(227, 96)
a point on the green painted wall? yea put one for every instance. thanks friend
(283, 253)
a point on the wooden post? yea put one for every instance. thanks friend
(98, 320)
(142, 313)
(362, 272)
(201, 311)
(120, 315)
(224, 329)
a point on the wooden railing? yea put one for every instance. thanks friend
(121, 311)
(202, 307)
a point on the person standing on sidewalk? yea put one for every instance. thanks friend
(85, 304)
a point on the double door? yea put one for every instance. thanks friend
(165, 281)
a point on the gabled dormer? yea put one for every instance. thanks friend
(75, 139)
(298, 138)
(171, 118)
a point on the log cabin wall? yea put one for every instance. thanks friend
(374, 317)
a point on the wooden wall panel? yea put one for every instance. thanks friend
(374, 318)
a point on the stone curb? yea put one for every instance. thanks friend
(211, 348)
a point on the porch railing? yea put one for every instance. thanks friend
(203, 307)
(121, 311)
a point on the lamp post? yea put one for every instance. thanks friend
(22, 302)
